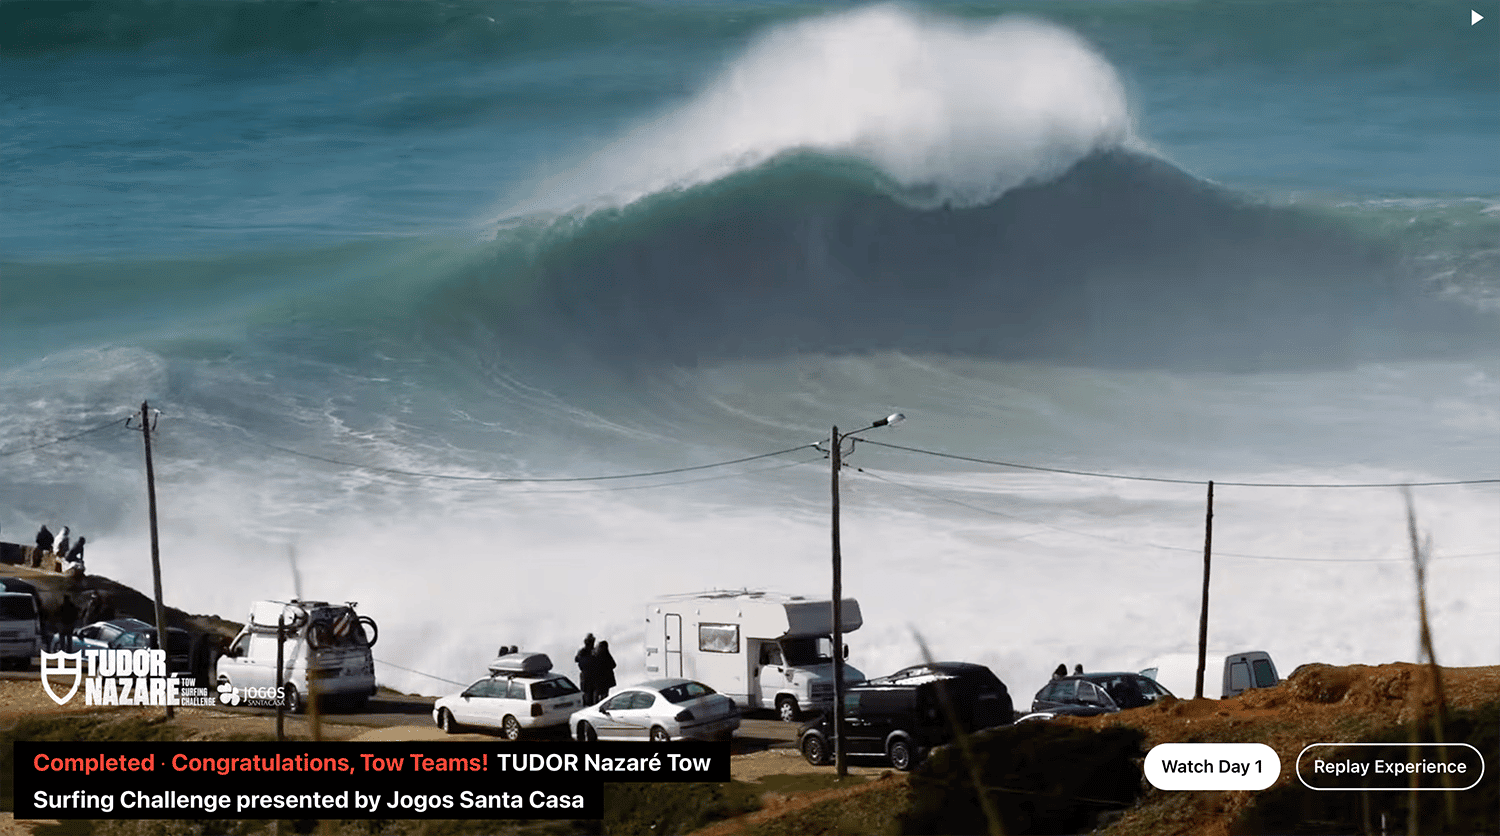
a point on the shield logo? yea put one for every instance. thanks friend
(57, 664)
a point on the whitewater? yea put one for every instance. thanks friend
(502, 320)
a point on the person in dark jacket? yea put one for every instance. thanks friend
(604, 672)
(1062, 671)
(584, 658)
(44, 540)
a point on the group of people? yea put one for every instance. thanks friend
(67, 550)
(596, 669)
(1062, 671)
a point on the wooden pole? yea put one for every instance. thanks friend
(161, 612)
(1208, 542)
(280, 667)
(840, 768)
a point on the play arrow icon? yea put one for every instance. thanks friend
(1474, 17)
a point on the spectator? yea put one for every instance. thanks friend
(584, 658)
(604, 672)
(1062, 671)
(44, 540)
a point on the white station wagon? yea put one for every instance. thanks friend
(519, 694)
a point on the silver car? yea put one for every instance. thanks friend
(658, 711)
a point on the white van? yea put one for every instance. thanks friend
(20, 630)
(761, 649)
(327, 649)
(1246, 670)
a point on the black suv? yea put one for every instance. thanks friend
(900, 722)
(979, 698)
(1094, 693)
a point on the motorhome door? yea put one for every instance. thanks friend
(672, 661)
(769, 675)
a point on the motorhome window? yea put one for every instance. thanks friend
(686, 691)
(549, 688)
(18, 607)
(770, 654)
(719, 638)
(807, 651)
(1265, 677)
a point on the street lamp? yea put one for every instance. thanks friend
(836, 442)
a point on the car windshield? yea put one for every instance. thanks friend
(134, 640)
(17, 607)
(813, 650)
(549, 688)
(686, 691)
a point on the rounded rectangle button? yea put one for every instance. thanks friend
(1396, 767)
(1212, 766)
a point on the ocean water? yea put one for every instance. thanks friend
(405, 279)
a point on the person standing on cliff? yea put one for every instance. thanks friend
(587, 667)
(604, 672)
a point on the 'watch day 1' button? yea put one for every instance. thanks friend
(1212, 766)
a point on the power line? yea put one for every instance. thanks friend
(1125, 542)
(64, 438)
(1180, 481)
(512, 479)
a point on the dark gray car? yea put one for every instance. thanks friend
(1088, 694)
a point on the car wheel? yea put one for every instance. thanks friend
(659, 735)
(292, 699)
(586, 732)
(510, 728)
(815, 749)
(445, 721)
(786, 707)
(900, 754)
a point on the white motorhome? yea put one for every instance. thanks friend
(762, 649)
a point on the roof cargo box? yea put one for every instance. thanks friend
(531, 664)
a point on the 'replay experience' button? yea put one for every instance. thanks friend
(1212, 766)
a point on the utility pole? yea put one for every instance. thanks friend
(1208, 542)
(147, 425)
(840, 768)
(835, 457)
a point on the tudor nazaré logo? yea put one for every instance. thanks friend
(117, 677)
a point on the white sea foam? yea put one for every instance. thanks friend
(953, 112)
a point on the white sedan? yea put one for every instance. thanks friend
(658, 711)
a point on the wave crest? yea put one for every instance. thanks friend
(954, 113)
